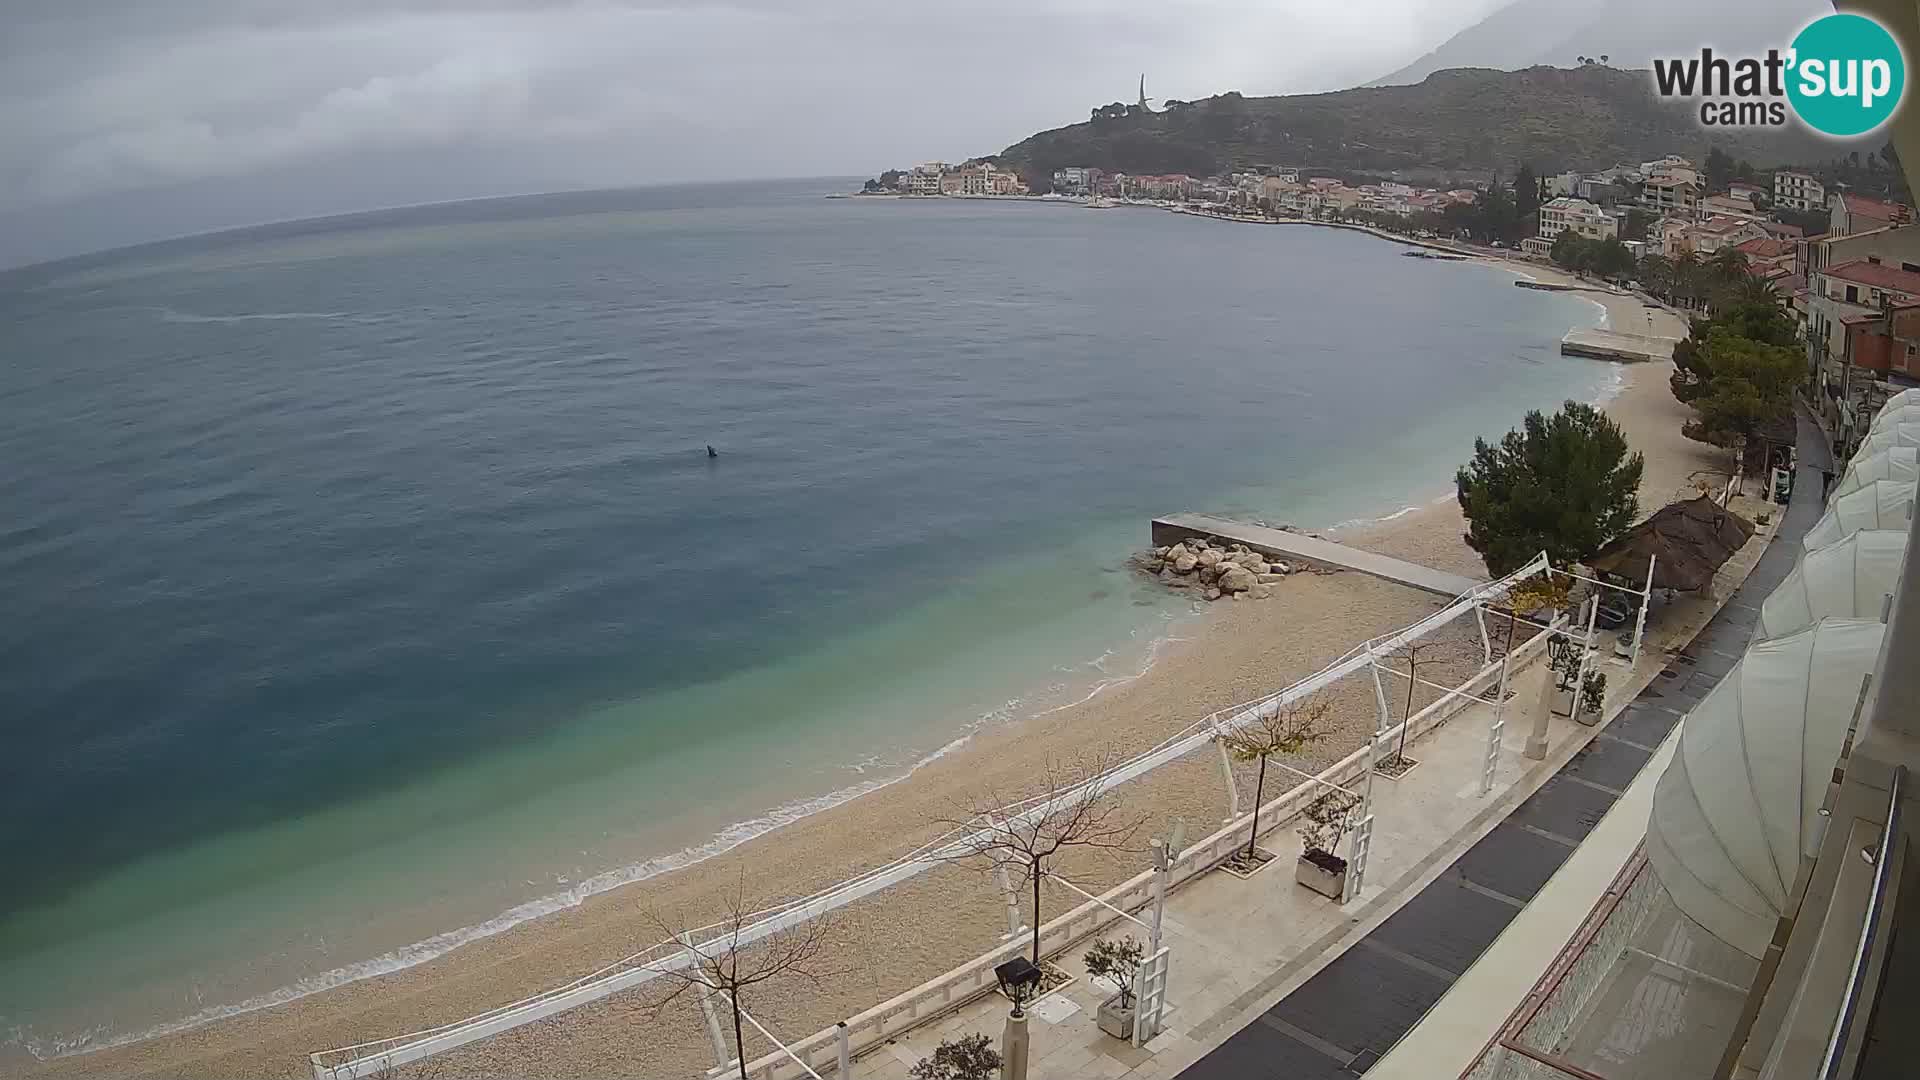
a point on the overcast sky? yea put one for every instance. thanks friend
(125, 120)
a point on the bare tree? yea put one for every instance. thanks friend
(1071, 809)
(1284, 729)
(1414, 653)
(726, 964)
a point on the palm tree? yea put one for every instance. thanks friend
(1726, 275)
(1686, 277)
(1656, 273)
(1729, 264)
(1757, 290)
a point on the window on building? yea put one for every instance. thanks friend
(1853, 294)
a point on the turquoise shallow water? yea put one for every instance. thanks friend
(373, 588)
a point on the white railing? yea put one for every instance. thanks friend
(941, 996)
(369, 1059)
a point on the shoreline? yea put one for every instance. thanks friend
(1183, 673)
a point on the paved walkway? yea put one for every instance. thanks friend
(1293, 545)
(1353, 1011)
(1609, 345)
(1245, 949)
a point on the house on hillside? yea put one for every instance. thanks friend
(1670, 195)
(1566, 183)
(1850, 213)
(1780, 230)
(1857, 310)
(1730, 206)
(1703, 238)
(1579, 215)
(1796, 190)
(1768, 258)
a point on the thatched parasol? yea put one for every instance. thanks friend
(1689, 540)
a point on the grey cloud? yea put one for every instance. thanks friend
(106, 97)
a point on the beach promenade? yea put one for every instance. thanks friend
(1242, 946)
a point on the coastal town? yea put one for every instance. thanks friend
(1847, 263)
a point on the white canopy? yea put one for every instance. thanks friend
(1894, 463)
(1883, 504)
(1847, 579)
(1901, 400)
(1738, 806)
(1908, 413)
(1892, 435)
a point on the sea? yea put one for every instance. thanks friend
(370, 587)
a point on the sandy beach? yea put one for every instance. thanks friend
(887, 944)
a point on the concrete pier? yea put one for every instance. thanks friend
(1280, 543)
(1606, 345)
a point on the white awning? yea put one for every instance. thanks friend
(1883, 504)
(1896, 414)
(1847, 579)
(1893, 463)
(1738, 807)
(1901, 400)
(1892, 435)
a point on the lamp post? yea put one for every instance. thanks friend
(1019, 979)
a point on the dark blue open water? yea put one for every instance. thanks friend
(385, 550)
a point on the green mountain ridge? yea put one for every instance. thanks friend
(1462, 122)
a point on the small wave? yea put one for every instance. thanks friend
(439, 945)
(1615, 386)
(172, 316)
(1606, 317)
(725, 840)
(1103, 685)
(1362, 522)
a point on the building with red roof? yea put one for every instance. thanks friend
(1850, 213)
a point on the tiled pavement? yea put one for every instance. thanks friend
(1349, 1014)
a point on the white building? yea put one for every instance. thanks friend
(1671, 194)
(1798, 191)
(1583, 217)
(1566, 183)
(925, 178)
(1072, 178)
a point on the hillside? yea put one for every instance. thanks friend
(1629, 32)
(1461, 122)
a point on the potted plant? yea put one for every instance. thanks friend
(1319, 868)
(969, 1057)
(1114, 962)
(1593, 694)
(1276, 730)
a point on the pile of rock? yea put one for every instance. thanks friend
(1214, 569)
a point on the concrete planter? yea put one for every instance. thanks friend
(1116, 1020)
(1262, 858)
(1323, 873)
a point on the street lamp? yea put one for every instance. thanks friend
(1019, 979)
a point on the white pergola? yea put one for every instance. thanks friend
(369, 1059)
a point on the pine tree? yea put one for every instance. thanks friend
(1565, 484)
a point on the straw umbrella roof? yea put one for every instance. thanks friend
(1689, 541)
